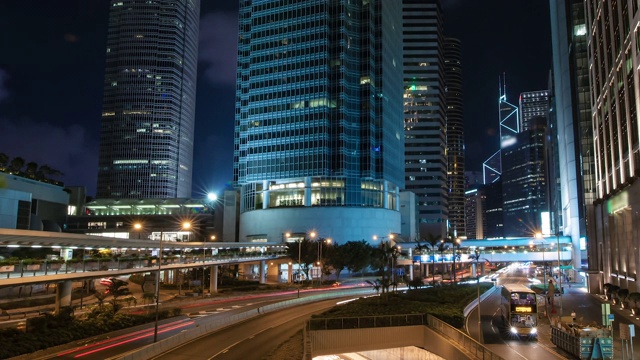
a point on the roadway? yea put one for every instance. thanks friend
(587, 308)
(249, 339)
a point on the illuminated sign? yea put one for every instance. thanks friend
(523, 309)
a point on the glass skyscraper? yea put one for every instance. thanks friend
(146, 134)
(318, 128)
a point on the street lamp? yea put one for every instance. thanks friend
(320, 243)
(185, 225)
(477, 253)
(544, 264)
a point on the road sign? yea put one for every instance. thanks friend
(566, 267)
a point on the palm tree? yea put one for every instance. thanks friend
(442, 247)
(420, 249)
(116, 289)
(433, 241)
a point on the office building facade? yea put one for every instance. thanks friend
(533, 104)
(318, 129)
(455, 136)
(613, 30)
(148, 111)
(425, 114)
(524, 181)
(572, 108)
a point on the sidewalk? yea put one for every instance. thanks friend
(588, 310)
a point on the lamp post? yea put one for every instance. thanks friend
(157, 290)
(455, 242)
(320, 243)
(477, 253)
(185, 225)
(544, 263)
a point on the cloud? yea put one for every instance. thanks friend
(67, 149)
(218, 47)
(4, 92)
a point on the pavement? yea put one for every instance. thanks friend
(588, 310)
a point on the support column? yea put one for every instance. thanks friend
(213, 280)
(290, 273)
(63, 295)
(307, 191)
(262, 272)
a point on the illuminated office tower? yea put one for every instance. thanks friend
(425, 114)
(572, 213)
(613, 31)
(524, 181)
(533, 104)
(146, 134)
(455, 136)
(318, 130)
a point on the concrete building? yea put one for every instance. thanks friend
(32, 205)
(318, 137)
(146, 134)
(425, 114)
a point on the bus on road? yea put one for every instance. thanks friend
(519, 310)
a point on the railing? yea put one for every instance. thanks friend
(366, 322)
(21, 268)
(465, 342)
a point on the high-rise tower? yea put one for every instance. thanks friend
(455, 135)
(318, 132)
(533, 104)
(425, 113)
(146, 135)
(613, 62)
(573, 212)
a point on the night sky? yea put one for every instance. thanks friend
(52, 69)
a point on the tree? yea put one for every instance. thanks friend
(433, 241)
(4, 161)
(421, 249)
(32, 167)
(100, 296)
(116, 289)
(335, 258)
(16, 165)
(635, 298)
(46, 172)
(622, 296)
(357, 255)
(305, 250)
(442, 247)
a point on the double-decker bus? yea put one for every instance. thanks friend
(519, 310)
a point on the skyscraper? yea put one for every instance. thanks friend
(318, 131)
(455, 135)
(613, 39)
(425, 113)
(533, 104)
(524, 181)
(573, 212)
(146, 134)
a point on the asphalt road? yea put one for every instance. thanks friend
(249, 339)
